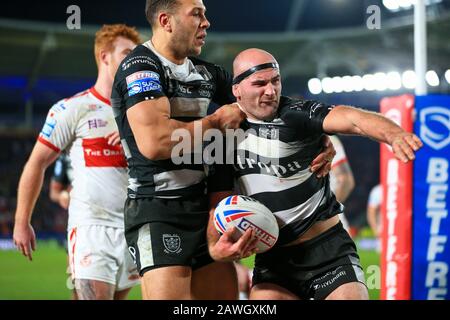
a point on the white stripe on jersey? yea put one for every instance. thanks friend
(302, 211)
(188, 107)
(252, 184)
(177, 179)
(269, 148)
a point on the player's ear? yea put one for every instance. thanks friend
(236, 91)
(165, 21)
(103, 55)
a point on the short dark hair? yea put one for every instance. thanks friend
(153, 7)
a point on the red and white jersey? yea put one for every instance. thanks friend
(338, 159)
(79, 125)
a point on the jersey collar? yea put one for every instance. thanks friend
(96, 94)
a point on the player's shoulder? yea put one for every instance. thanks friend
(71, 103)
(288, 104)
(298, 104)
(140, 58)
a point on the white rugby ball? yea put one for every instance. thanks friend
(245, 212)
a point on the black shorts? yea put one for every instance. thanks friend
(167, 232)
(314, 268)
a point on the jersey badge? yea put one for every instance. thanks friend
(143, 81)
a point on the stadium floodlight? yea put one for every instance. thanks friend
(379, 79)
(369, 82)
(327, 85)
(357, 83)
(393, 80)
(315, 86)
(447, 76)
(391, 5)
(432, 78)
(398, 5)
(347, 83)
(409, 79)
(338, 85)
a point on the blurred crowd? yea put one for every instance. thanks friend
(48, 217)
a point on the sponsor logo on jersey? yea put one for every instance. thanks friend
(98, 153)
(94, 107)
(59, 107)
(49, 126)
(97, 123)
(262, 235)
(206, 90)
(172, 243)
(143, 81)
(268, 132)
(138, 60)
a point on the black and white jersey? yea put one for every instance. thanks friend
(272, 166)
(190, 87)
(63, 172)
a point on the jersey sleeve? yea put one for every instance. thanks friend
(140, 77)
(224, 93)
(305, 115)
(60, 126)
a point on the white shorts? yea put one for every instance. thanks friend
(100, 253)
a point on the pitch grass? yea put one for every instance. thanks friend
(45, 278)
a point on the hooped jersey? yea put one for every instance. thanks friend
(190, 88)
(79, 125)
(272, 166)
(63, 172)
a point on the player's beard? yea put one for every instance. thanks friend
(184, 45)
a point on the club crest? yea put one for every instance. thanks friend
(172, 243)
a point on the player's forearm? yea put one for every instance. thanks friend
(374, 125)
(371, 219)
(161, 140)
(30, 185)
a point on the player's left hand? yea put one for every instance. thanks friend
(113, 138)
(404, 145)
(321, 165)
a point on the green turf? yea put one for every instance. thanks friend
(45, 277)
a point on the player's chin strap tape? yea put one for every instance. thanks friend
(252, 70)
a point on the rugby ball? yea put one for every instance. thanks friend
(245, 212)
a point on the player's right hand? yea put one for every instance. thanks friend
(228, 248)
(404, 145)
(24, 239)
(229, 116)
